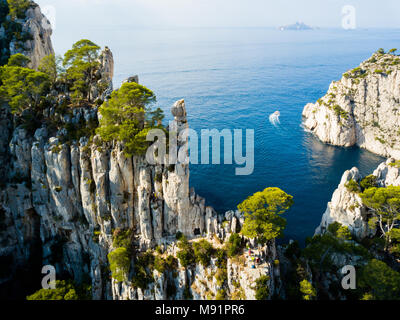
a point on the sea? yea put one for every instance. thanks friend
(235, 78)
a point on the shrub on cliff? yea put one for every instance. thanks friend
(368, 182)
(81, 62)
(49, 66)
(233, 245)
(384, 204)
(18, 8)
(263, 212)
(18, 60)
(119, 261)
(307, 290)
(65, 290)
(22, 88)
(339, 231)
(380, 51)
(340, 112)
(185, 254)
(352, 186)
(378, 281)
(203, 251)
(261, 288)
(320, 249)
(123, 117)
(144, 266)
(123, 238)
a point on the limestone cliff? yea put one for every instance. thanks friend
(68, 200)
(64, 200)
(346, 207)
(362, 108)
(29, 35)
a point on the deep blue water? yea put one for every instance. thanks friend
(235, 78)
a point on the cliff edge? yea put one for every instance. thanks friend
(362, 109)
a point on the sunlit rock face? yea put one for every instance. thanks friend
(346, 207)
(62, 203)
(39, 29)
(362, 109)
(72, 197)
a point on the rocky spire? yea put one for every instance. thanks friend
(106, 60)
(39, 45)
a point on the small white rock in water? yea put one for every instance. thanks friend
(274, 118)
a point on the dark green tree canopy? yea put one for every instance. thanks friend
(65, 290)
(123, 117)
(22, 88)
(263, 212)
(379, 282)
(18, 60)
(384, 203)
(49, 66)
(81, 62)
(18, 8)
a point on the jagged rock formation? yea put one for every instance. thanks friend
(33, 39)
(362, 108)
(62, 201)
(64, 194)
(346, 207)
(106, 72)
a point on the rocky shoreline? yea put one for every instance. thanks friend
(362, 108)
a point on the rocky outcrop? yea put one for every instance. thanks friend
(71, 197)
(106, 72)
(346, 207)
(362, 108)
(63, 199)
(37, 43)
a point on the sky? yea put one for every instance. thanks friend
(220, 13)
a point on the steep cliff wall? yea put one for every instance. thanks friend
(64, 200)
(346, 207)
(70, 198)
(362, 108)
(29, 35)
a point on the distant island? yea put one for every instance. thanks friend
(296, 26)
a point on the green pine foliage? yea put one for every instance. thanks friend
(352, 186)
(144, 266)
(119, 261)
(339, 231)
(262, 288)
(18, 8)
(307, 290)
(124, 117)
(203, 250)
(81, 62)
(65, 290)
(384, 204)
(22, 88)
(368, 182)
(378, 281)
(234, 245)
(186, 254)
(263, 212)
(48, 65)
